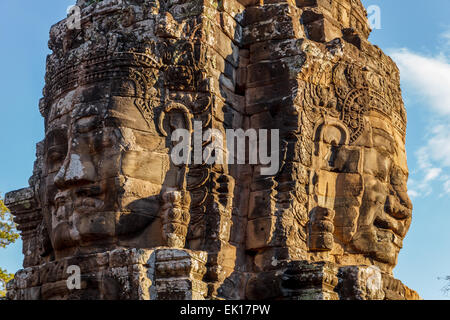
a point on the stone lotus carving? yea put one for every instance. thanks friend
(321, 229)
(175, 218)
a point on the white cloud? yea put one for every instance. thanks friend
(447, 186)
(423, 158)
(428, 78)
(432, 174)
(438, 147)
(423, 187)
(446, 37)
(413, 194)
(433, 160)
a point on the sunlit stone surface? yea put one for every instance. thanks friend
(106, 197)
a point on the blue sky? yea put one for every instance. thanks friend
(415, 33)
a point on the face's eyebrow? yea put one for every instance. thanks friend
(87, 111)
(382, 133)
(381, 139)
(80, 116)
(399, 171)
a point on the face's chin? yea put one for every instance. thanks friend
(63, 236)
(95, 226)
(82, 223)
(379, 235)
(93, 232)
(382, 245)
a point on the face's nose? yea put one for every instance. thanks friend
(75, 170)
(398, 203)
(399, 206)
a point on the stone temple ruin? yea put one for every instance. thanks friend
(106, 197)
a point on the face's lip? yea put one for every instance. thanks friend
(84, 199)
(385, 222)
(92, 190)
(87, 205)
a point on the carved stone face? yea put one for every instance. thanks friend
(103, 173)
(365, 184)
(359, 168)
(385, 213)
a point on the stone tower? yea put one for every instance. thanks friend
(106, 201)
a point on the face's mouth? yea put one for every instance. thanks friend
(87, 205)
(82, 200)
(395, 217)
(385, 222)
(390, 229)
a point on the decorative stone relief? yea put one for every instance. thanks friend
(106, 196)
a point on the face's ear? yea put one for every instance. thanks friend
(399, 181)
(330, 137)
(332, 147)
(333, 133)
(348, 160)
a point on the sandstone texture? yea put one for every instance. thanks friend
(106, 197)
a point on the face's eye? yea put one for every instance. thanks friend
(87, 124)
(55, 156)
(56, 153)
(56, 145)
